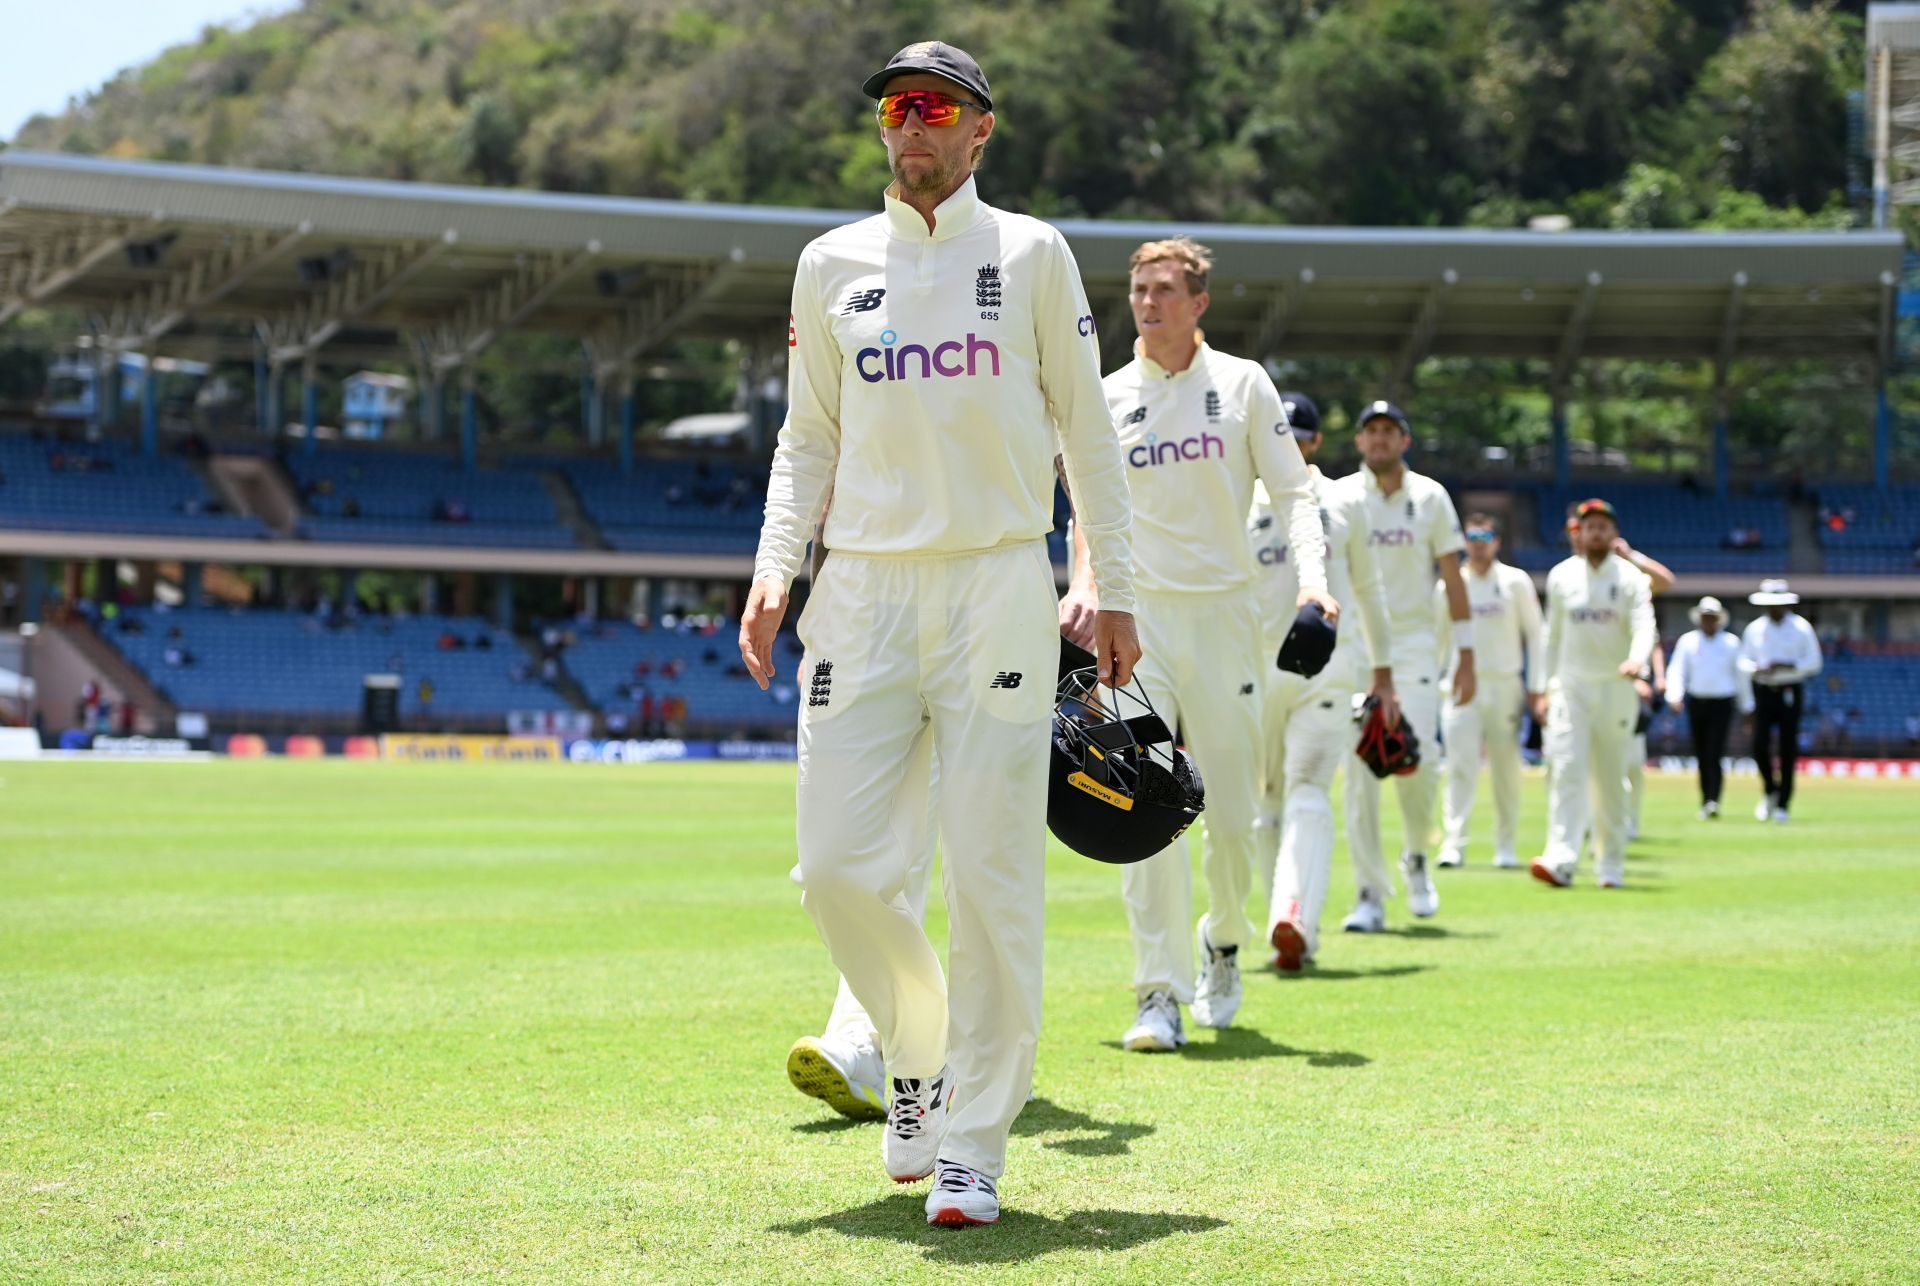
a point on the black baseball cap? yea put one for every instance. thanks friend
(1303, 417)
(1309, 642)
(938, 57)
(1375, 409)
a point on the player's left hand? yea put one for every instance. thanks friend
(1078, 608)
(1116, 647)
(1327, 605)
(1382, 691)
(1464, 685)
(1643, 689)
(1628, 670)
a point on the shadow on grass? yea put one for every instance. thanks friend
(1109, 1138)
(1018, 1237)
(830, 1125)
(1426, 931)
(1243, 1044)
(1313, 972)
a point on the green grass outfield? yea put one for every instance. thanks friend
(339, 1021)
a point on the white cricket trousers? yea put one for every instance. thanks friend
(1491, 721)
(962, 650)
(1309, 734)
(1418, 687)
(919, 829)
(1202, 667)
(1589, 725)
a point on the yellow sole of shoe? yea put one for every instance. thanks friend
(813, 1074)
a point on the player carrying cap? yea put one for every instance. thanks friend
(1599, 632)
(940, 354)
(1413, 530)
(1308, 728)
(1195, 427)
(1506, 635)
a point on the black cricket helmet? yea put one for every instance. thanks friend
(1118, 789)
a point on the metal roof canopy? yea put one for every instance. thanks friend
(149, 246)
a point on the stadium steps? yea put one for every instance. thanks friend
(573, 515)
(255, 486)
(1804, 556)
(566, 685)
(116, 673)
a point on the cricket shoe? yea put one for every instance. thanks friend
(1506, 860)
(916, 1123)
(1451, 857)
(848, 1078)
(1779, 816)
(1547, 873)
(1709, 811)
(1217, 999)
(961, 1198)
(1156, 1028)
(1763, 811)
(1367, 916)
(1422, 898)
(1612, 882)
(1290, 950)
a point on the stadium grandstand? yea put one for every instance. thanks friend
(255, 576)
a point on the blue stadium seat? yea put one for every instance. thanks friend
(605, 658)
(108, 486)
(410, 497)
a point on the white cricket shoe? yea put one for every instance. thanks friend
(1547, 873)
(1451, 857)
(1763, 811)
(1367, 916)
(961, 1198)
(1779, 816)
(1422, 898)
(1507, 860)
(1709, 811)
(916, 1123)
(1612, 882)
(848, 1078)
(1217, 997)
(1156, 1028)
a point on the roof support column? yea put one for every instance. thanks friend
(260, 381)
(309, 404)
(106, 386)
(469, 421)
(1720, 413)
(1562, 457)
(596, 410)
(1882, 436)
(627, 415)
(150, 405)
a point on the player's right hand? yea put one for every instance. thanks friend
(1077, 611)
(1116, 647)
(760, 626)
(1539, 702)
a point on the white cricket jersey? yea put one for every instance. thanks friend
(1596, 619)
(1506, 623)
(1407, 532)
(1353, 579)
(1193, 440)
(932, 378)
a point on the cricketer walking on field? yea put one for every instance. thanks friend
(941, 354)
(1308, 725)
(1414, 532)
(1196, 426)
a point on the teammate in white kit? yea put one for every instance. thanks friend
(1413, 531)
(1506, 634)
(1195, 426)
(1308, 728)
(1599, 631)
(940, 355)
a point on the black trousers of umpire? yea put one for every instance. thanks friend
(1776, 713)
(1710, 719)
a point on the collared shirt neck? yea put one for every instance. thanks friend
(1158, 372)
(1373, 479)
(951, 217)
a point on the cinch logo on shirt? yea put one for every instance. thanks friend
(1394, 538)
(1593, 616)
(1272, 556)
(918, 362)
(1204, 446)
(1494, 608)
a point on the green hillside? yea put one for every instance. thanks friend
(1621, 113)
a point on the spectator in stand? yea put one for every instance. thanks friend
(483, 641)
(646, 713)
(451, 642)
(1913, 729)
(425, 692)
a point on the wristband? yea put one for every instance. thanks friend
(1463, 635)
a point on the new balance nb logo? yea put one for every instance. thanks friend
(822, 686)
(862, 301)
(1135, 416)
(1007, 679)
(1246, 689)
